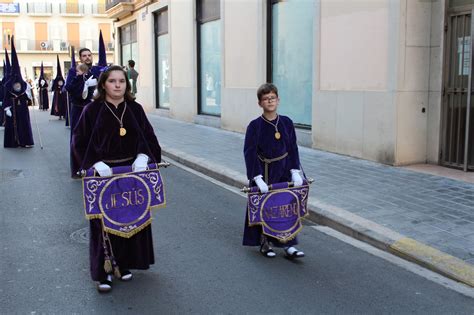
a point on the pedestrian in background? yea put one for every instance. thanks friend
(271, 156)
(113, 130)
(132, 75)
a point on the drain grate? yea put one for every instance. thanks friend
(10, 174)
(80, 236)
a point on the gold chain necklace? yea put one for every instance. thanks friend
(122, 131)
(277, 133)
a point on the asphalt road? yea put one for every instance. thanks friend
(200, 268)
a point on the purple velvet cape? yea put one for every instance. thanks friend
(96, 138)
(260, 141)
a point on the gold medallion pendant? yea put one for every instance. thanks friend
(123, 131)
(277, 135)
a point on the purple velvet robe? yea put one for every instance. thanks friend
(17, 127)
(59, 103)
(260, 141)
(75, 86)
(2, 96)
(96, 138)
(43, 96)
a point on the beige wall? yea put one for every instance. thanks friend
(378, 94)
(414, 81)
(182, 28)
(354, 104)
(435, 85)
(243, 62)
(354, 45)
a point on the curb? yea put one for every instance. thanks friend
(348, 223)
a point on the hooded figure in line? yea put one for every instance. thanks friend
(15, 105)
(43, 90)
(59, 104)
(3, 83)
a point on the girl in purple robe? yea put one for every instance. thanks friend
(113, 130)
(271, 156)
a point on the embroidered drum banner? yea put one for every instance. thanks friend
(123, 201)
(279, 211)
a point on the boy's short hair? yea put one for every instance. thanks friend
(83, 67)
(265, 89)
(131, 63)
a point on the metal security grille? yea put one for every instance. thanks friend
(458, 128)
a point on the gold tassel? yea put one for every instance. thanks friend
(117, 272)
(107, 266)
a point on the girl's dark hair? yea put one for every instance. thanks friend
(100, 96)
(265, 89)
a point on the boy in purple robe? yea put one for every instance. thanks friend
(113, 130)
(271, 156)
(15, 104)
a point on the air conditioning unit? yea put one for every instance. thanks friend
(110, 46)
(44, 45)
(64, 46)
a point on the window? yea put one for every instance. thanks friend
(290, 56)
(209, 57)
(129, 45)
(162, 57)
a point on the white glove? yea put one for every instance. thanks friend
(91, 82)
(141, 163)
(103, 169)
(261, 184)
(296, 178)
(85, 91)
(8, 112)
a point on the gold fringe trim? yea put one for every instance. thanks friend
(129, 234)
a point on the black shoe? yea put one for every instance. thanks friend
(266, 250)
(292, 252)
(105, 285)
(126, 275)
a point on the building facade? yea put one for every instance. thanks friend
(44, 29)
(383, 80)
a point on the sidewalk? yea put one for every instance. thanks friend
(425, 218)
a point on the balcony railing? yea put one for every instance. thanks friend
(39, 8)
(98, 8)
(57, 45)
(94, 45)
(112, 3)
(71, 8)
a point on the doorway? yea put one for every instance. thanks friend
(458, 93)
